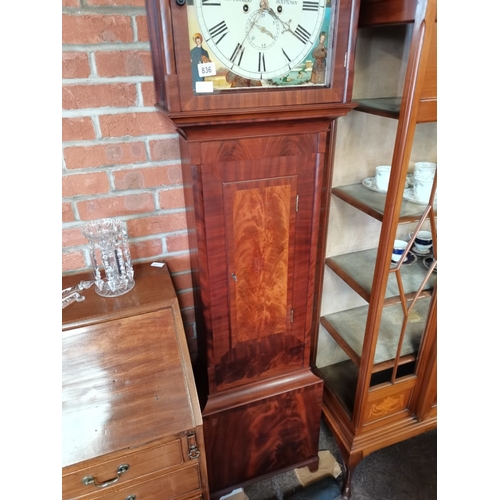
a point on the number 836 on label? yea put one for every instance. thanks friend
(206, 69)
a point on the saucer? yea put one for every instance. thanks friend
(428, 261)
(409, 196)
(419, 253)
(410, 259)
(370, 184)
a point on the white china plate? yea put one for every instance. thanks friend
(428, 261)
(369, 183)
(410, 259)
(421, 254)
(408, 196)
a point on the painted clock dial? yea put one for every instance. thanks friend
(263, 39)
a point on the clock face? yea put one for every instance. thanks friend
(259, 42)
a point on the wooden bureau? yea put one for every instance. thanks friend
(131, 421)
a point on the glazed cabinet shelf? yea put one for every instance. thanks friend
(348, 329)
(357, 270)
(383, 12)
(373, 203)
(341, 379)
(390, 107)
(382, 106)
(386, 18)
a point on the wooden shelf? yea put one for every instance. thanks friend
(382, 106)
(348, 329)
(390, 108)
(357, 270)
(373, 203)
(341, 379)
(383, 12)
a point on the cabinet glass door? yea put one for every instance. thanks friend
(380, 333)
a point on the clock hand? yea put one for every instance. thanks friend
(254, 22)
(286, 25)
(271, 11)
(264, 30)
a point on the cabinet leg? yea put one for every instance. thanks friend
(348, 471)
(346, 484)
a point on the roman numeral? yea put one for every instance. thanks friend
(314, 6)
(238, 50)
(262, 62)
(302, 34)
(219, 30)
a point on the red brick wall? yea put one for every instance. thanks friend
(120, 155)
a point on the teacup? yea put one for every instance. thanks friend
(423, 178)
(425, 170)
(382, 174)
(423, 241)
(398, 249)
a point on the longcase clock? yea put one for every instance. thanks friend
(254, 88)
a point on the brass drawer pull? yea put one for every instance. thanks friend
(88, 480)
(193, 451)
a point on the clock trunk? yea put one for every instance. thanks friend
(257, 208)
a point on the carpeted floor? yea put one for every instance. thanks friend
(404, 471)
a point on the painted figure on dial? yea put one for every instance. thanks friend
(319, 55)
(198, 55)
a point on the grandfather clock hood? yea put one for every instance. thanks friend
(306, 47)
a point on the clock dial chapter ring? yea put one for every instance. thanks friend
(260, 39)
(263, 30)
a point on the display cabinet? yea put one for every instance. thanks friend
(376, 343)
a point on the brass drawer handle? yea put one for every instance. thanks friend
(88, 480)
(194, 452)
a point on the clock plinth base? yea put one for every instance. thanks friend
(262, 429)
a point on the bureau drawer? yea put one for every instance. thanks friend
(179, 485)
(149, 460)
